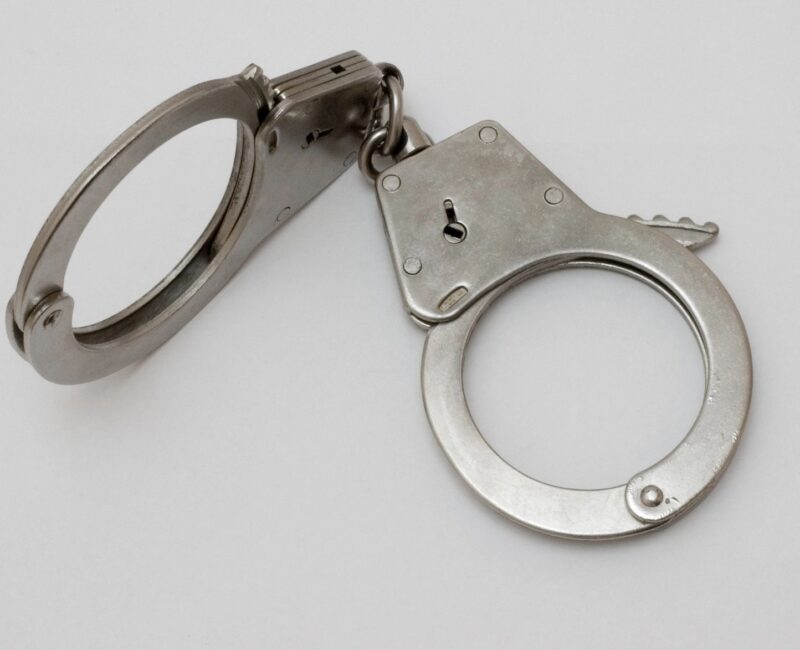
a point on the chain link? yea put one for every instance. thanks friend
(385, 134)
(395, 124)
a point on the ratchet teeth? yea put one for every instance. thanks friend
(684, 231)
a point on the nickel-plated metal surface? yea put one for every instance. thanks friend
(311, 120)
(467, 219)
(517, 220)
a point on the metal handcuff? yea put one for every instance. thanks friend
(466, 218)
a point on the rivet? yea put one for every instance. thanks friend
(488, 134)
(553, 195)
(350, 158)
(651, 496)
(412, 265)
(391, 183)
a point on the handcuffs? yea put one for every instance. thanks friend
(466, 219)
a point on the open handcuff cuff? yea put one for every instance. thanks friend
(466, 218)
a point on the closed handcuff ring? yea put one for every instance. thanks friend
(652, 497)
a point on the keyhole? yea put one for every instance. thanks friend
(455, 232)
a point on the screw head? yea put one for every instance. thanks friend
(553, 195)
(488, 134)
(51, 319)
(651, 496)
(412, 265)
(391, 183)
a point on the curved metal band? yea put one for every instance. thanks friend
(40, 313)
(310, 120)
(684, 476)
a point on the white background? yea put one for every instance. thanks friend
(267, 479)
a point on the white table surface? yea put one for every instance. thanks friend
(268, 479)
